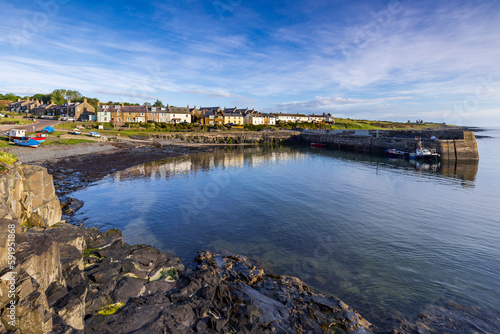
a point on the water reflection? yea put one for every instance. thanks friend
(233, 158)
(239, 157)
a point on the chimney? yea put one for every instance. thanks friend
(98, 104)
(18, 99)
(28, 99)
(68, 101)
(146, 105)
(123, 104)
(51, 101)
(84, 100)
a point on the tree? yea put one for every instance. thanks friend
(73, 95)
(158, 103)
(41, 97)
(58, 96)
(10, 97)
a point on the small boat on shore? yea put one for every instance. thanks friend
(40, 137)
(16, 134)
(27, 142)
(318, 145)
(95, 134)
(75, 132)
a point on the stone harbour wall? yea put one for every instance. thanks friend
(453, 149)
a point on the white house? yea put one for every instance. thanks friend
(254, 119)
(291, 118)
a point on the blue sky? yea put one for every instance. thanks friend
(384, 60)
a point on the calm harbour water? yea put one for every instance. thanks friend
(387, 237)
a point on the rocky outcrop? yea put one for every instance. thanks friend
(75, 280)
(152, 292)
(27, 194)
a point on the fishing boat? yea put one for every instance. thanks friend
(318, 145)
(75, 132)
(39, 137)
(27, 142)
(423, 154)
(16, 134)
(419, 154)
(95, 134)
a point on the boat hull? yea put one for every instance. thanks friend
(27, 143)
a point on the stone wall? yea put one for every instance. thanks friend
(454, 149)
(231, 137)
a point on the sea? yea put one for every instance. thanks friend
(389, 237)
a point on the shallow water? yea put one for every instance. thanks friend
(386, 236)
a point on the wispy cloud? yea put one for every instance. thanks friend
(210, 93)
(331, 103)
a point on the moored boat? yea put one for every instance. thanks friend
(423, 154)
(318, 145)
(419, 154)
(27, 142)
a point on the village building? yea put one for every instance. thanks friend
(158, 114)
(42, 110)
(291, 118)
(178, 115)
(254, 118)
(269, 119)
(121, 114)
(80, 111)
(212, 118)
(231, 117)
(23, 106)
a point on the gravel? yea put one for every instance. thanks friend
(44, 153)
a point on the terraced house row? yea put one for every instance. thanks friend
(121, 114)
(81, 111)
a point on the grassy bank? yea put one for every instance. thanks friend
(19, 121)
(340, 124)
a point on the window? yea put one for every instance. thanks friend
(154, 114)
(105, 119)
(211, 117)
(142, 114)
(129, 119)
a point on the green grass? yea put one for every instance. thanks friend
(359, 124)
(19, 121)
(7, 158)
(110, 309)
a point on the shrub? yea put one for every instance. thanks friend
(7, 158)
